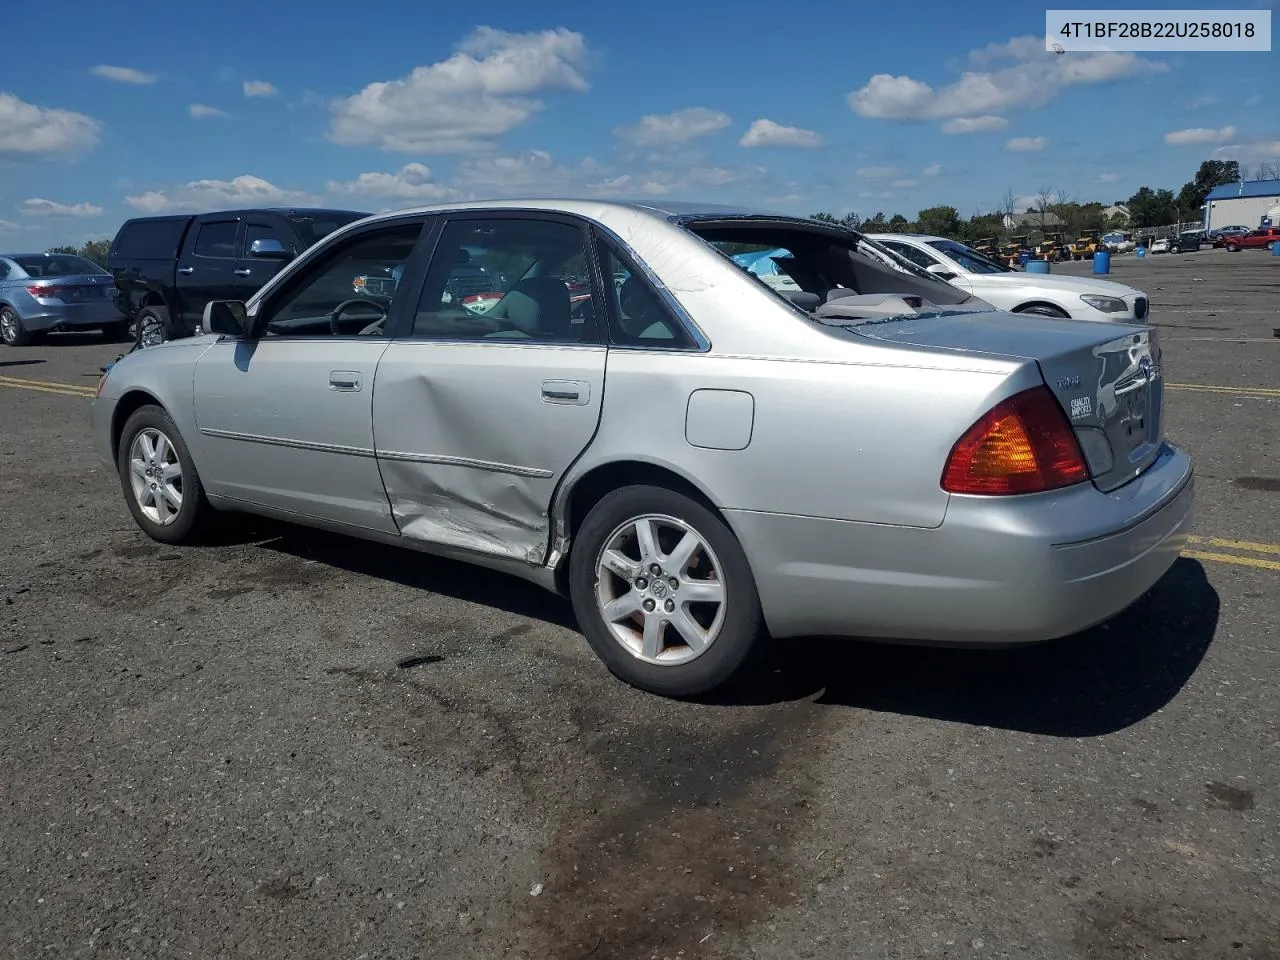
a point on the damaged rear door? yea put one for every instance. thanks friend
(484, 399)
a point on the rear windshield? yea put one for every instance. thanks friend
(57, 265)
(312, 229)
(149, 239)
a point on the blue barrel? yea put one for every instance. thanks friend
(1141, 251)
(1275, 248)
(1037, 266)
(1102, 261)
(1024, 256)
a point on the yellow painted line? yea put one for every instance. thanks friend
(1257, 562)
(1207, 388)
(49, 386)
(1246, 545)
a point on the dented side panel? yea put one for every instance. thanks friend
(472, 438)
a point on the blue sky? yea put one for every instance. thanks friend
(803, 106)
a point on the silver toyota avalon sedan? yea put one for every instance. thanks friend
(697, 454)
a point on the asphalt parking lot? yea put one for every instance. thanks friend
(291, 744)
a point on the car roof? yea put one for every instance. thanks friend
(923, 237)
(584, 206)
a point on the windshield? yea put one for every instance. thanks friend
(970, 259)
(313, 229)
(57, 265)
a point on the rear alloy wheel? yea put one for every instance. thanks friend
(1044, 310)
(1231, 247)
(159, 479)
(12, 332)
(663, 592)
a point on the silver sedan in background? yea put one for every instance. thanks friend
(696, 457)
(53, 292)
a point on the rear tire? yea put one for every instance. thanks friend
(12, 332)
(1232, 248)
(152, 456)
(611, 568)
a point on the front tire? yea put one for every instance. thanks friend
(159, 478)
(663, 592)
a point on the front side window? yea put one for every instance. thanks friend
(515, 279)
(347, 291)
(217, 240)
(263, 231)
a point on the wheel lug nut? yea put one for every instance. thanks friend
(655, 569)
(641, 583)
(671, 606)
(649, 605)
(675, 584)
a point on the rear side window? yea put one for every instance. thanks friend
(149, 239)
(216, 239)
(640, 317)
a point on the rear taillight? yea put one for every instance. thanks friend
(42, 290)
(1022, 445)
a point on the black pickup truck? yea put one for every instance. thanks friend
(167, 268)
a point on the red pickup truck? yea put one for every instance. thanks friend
(1254, 239)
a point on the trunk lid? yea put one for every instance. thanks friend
(1107, 378)
(84, 288)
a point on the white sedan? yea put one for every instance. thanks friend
(1079, 298)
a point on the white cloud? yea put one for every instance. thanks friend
(1026, 143)
(201, 111)
(1257, 151)
(1032, 78)
(122, 74)
(877, 173)
(28, 129)
(411, 182)
(461, 104)
(932, 170)
(1253, 100)
(1026, 201)
(242, 191)
(1199, 135)
(7, 226)
(259, 88)
(1204, 100)
(678, 127)
(975, 124)
(39, 207)
(904, 183)
(1108, 178)
(767, 133)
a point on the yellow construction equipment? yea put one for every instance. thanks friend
(1087, 245)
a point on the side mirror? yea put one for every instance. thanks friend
(226, 318)
(269, 248)
(940, 270)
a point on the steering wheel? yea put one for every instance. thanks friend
(336, 313)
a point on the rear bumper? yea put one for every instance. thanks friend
(997, 572)
(54, 320)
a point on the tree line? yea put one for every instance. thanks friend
(95, 250)
(1147, 208)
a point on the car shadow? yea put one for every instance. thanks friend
(410, 568)
(1096, 682)
(20, 363)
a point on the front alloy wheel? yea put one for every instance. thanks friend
(159, 479)
(155, 474)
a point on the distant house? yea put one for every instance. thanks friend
(1116, 210)
(1240, 204)
(1032, 220)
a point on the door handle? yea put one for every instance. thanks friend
(345, 380)
(577, 392)
(243, 272)
(186, 270)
